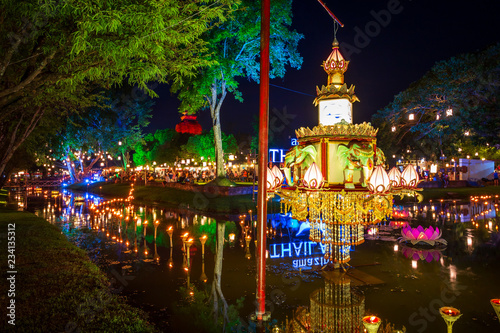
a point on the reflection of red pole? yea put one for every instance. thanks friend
(263, 146)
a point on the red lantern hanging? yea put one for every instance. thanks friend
(188, 125)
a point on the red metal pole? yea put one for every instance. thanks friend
(263, 146)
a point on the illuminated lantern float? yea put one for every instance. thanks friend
(339, 184)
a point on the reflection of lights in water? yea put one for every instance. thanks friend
(396, 247)
(453, 273)
(414, 264)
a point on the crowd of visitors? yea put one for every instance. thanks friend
(185, 176)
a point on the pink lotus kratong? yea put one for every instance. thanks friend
(417, 235)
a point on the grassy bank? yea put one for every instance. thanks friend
(57, 287)
(174, 198)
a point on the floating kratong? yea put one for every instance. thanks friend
(421, 236)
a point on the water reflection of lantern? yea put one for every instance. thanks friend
(414, 264)
(157, 223)
(184, 237)
(334, 308)
(171, 259)
(450, 315)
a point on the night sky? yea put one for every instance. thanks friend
(391, 56)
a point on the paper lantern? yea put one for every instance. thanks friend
(271, 180)
(278, 176)
(409, 177)
(313, 178)
(379, 182)
(395, 177)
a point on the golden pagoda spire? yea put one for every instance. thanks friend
(335, 66)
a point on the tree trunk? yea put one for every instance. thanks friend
(70, 168)
(215, 106)
(125, 158)
(216, 293)
(15, 140)
(219, 152)
(89, 167)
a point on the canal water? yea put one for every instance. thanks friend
(403, 285)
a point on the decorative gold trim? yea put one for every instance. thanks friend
(341, 129)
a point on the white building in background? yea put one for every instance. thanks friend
(476, 169)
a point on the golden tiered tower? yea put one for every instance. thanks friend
(331, 166)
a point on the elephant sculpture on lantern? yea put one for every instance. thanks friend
(302, 156)
(358, 155)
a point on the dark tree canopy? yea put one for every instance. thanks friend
(53, 53)
(455, 109)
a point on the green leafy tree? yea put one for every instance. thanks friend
(234, 49)
(161, 147)
(455, 110)
(51, 51)
(202, 145)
